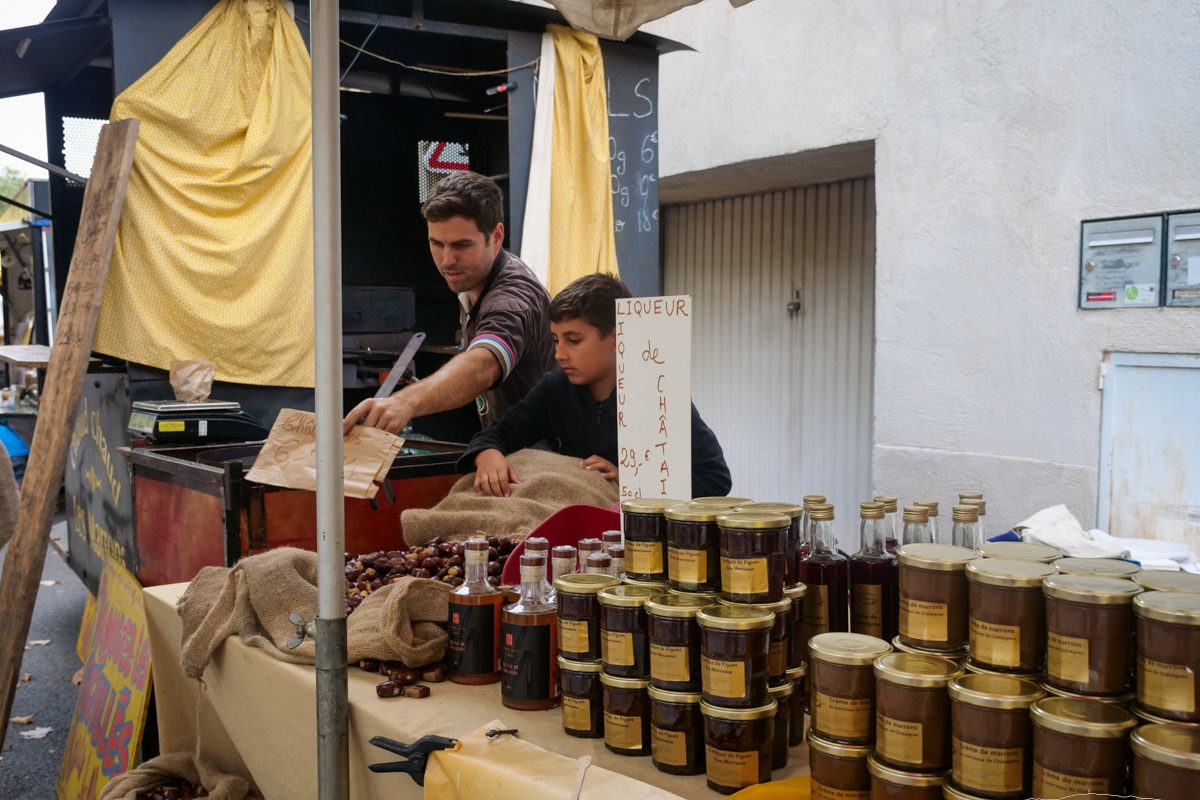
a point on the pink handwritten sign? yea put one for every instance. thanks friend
(654, 396)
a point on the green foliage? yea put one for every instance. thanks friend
(11, 181)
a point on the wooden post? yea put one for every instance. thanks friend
(102, 202)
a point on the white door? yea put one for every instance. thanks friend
(787, 390)
(1150, 447)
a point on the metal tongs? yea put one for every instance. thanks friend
(417, 755)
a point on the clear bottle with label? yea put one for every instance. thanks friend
(934, 536)
(873, 590)
(916, 526)
(807, 502)
(980, 506)
(826, 573)
(966, 532)
(475, 609)
(616, 566)
(541, 546)
(891, 518)
(528, 660)
(599, 564)
(563, 560)
(588, 546)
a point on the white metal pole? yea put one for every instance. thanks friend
(333, 754)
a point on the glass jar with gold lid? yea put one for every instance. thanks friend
(693, 547)
(1168, 654)
(1007, 628)
(737, 745)
(781, 633)
(1089, 633)
(782, 695)
(626, 715)
(674, 636)
(1166, 761)
(838, 770)
(624, 643)
(933, 595)
(799, 703)
(753, 555)
(794, 535)
(992, 745)
(579, 613)
(734, 648)
(912, 716)
(722, 502)
(1103, 567)
(890, 783)
(842, 686)
(1080, 747)
(676, 732)
(1021, 551)
(646, 537)
(1161, 580)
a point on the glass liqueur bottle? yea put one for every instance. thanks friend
(528, 665)
(475, 609)
(981, 506)
(891, 520)
(873, 589)
(916, 526)
(541, 546)
(966, 532)
(933, 522)
(826, 573)
(806, 523)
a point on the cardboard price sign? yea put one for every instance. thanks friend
(110, 711)
(654, 396)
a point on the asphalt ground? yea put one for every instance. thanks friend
(29, 767)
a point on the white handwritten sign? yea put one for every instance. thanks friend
(654, 396)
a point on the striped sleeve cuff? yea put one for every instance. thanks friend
(500, 348)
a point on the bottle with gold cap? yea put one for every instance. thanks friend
(806, 523)
(826, 573)
(916, 526)
(891, 518)
(981, 507)
(966, 531)
(873, 595)
(932, 506)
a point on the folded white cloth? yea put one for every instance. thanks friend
(1057, 527)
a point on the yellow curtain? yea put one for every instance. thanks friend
(581, 215)
(213, 256)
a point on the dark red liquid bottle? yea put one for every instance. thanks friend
(826, 573)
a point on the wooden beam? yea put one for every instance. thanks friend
(102, 203)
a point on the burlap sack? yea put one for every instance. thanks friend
(549, 481)
(254, 598)
(172, 766)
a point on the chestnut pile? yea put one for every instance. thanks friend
(438, 559)
(176, 790)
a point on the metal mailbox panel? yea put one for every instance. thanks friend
(1182, 284)
(1120, 264)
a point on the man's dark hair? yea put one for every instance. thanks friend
(466, 194)
(591, 298)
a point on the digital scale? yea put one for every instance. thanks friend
(193, 422)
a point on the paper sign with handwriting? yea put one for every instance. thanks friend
(654, 396)
(289, 456)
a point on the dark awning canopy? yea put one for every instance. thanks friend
(618, 19)
(38, 57)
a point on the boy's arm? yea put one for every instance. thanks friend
(710, 473)
(523, 425)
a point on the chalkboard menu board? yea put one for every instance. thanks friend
(631, 73)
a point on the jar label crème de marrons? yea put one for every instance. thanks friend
(922, 620)
(723, 678)
(1167, 686)
(669, 663)
(816, 609)
(999, 645)
(1050, 784)
(744, 575)
(668, 747)
(573, 635)
(843, 717)
(899, 740)
(687, 566)
(643, 557)
(1067, 658)
(819, 791)
(622, 732)
(616, 647)
(577, 713)
(989, 769)
(867, 609)
(729, 768)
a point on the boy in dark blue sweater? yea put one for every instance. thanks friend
(574, 407)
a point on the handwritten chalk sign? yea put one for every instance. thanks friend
(654, 396)
(110, 709)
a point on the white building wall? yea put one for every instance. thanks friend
(998, 127)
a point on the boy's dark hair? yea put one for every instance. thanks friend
(466, 194)
(591, 298)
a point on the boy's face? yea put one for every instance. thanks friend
(587, 357)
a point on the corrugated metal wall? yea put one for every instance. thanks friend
(789, 394)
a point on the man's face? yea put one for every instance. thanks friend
(587, 357)
(463, 253)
